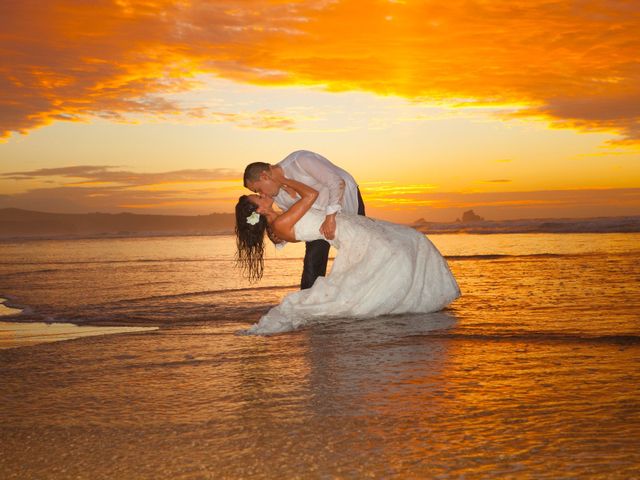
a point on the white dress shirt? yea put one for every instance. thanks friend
(337, 190)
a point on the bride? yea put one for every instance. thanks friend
(381, 267)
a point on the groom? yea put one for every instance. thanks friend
(338, 192)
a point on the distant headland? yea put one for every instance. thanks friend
(16, 223)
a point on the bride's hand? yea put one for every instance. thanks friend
(328, 227)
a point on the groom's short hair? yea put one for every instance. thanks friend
(253, 171)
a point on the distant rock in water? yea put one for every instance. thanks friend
(626, 224)
(470, 216)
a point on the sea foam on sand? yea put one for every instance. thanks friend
(6, 311)
(21, 334)
(15, 334)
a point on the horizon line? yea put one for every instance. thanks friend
(419, 220)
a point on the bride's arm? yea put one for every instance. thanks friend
(283, 225)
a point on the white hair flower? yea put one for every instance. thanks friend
(253, 218)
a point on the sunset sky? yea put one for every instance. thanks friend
(516, 109)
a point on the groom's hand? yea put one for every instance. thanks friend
(328, 227)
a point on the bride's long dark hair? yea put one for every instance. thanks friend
(249, 240)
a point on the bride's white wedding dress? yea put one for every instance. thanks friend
(380, 268)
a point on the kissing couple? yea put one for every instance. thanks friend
(380, 267)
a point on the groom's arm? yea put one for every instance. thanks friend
(335, 185)
(325, 175)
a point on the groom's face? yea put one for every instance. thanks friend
(265, 185)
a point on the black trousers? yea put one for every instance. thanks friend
(316, 256)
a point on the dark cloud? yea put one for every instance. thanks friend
(78, 199)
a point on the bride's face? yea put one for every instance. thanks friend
(263, 202)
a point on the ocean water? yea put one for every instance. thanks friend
(532, 373)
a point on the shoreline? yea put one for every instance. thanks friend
(18, 334)
(470, 231)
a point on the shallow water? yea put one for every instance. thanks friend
(533, 373)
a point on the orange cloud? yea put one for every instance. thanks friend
(443, 206)
(573, 64)
(388, 196)
(627, 197)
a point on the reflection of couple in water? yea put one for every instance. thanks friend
(380, 268)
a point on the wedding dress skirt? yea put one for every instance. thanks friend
(380, 268)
